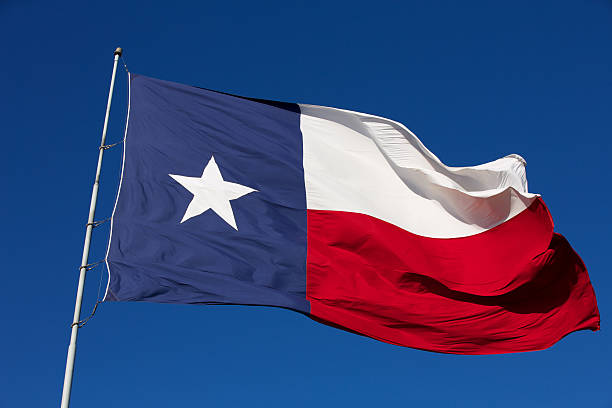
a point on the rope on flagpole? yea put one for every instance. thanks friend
(94, 265)
(90, 266)
(106, 147)
(123, 61)
(95, 224)
(83, 322)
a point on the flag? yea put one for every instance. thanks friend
(343, 216)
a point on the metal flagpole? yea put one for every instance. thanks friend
(83, 269)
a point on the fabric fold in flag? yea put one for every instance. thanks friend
(343, 216)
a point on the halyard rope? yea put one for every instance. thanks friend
(123, 61)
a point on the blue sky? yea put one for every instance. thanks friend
(475, 80)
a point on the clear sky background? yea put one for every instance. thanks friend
(475, 80)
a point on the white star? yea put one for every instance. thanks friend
(211, 192)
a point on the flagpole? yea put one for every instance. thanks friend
(83, 269)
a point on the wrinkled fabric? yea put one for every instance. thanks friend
(342, 216)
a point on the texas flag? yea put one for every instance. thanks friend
(343, 216)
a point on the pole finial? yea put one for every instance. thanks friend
(118, 51)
